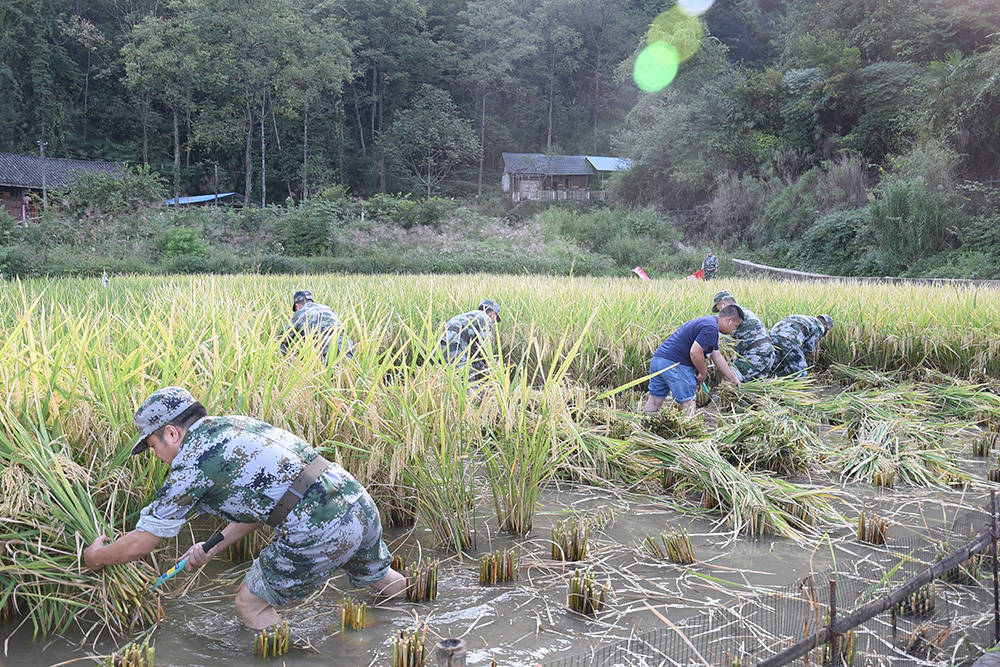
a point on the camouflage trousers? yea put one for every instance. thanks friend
(755, 363)
(790, 359)
(330, 534)
(708, 274)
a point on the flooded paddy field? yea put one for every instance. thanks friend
(527, 622)
(898, 421)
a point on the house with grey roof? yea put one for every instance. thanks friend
(21, 175)
(537, 176)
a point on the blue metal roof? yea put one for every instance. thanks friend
(609, 163)
(196, 199)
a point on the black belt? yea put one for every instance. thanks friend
(309, 474)
(757, 343)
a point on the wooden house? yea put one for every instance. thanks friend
(537, 176)
(22, 175)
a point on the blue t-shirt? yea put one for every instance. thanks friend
(677, 348)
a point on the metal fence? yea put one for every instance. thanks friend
(914, 601)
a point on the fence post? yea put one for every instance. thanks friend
(833, 617)
(996, 585)
(450, 653)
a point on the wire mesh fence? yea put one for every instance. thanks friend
(949, 618)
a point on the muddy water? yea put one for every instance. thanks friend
(525, 622)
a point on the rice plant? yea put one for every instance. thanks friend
(398, 562)
(886, 453)
(497, 567)
(993, 474)
(983, 445)
(132, 655)
(422, 581)
(353, 614)
(846, 651)
(409, 647)
(927, 640)
(585, 595)
(673, 545)
(748, 502)
(671, 422)
(570, 539)
(920, 603)
(272, 642)
(773, 441)
(872, 529)
(250, 546)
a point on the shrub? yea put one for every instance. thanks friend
(427, 212)
(388, 208)
(184, 242)
(306, 229)
(278, 264)
(18, 261)
(830, 245)
(7, 227)
(737, 207)
(102, 193)
(912, 220)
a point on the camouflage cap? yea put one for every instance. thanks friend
(724, 295)
(827, 321)
(161, 406)
(490, 304)
(302, 295)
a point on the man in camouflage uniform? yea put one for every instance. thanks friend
(754, 349)
(710, 266)
(237, 468)
(794, 337)
(316, 321)
(466, 338)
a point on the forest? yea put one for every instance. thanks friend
(802, 133)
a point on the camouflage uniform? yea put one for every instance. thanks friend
(465, 340)
(794, 337)
(237, 468)
(320, 322)
(710, 266)
(755, 354)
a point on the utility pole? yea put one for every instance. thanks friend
(45, 169)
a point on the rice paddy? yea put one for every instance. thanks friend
(903, 390)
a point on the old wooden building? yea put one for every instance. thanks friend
(536, 176)
(22, 175)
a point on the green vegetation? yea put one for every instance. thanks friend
(558, 405)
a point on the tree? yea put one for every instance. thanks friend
(429, 138)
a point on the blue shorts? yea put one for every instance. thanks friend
(678, 381)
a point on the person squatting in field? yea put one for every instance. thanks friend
(755, 354)
(252, 473)
(679, 362)
(316, 321)
(466, 338)
(794, 337)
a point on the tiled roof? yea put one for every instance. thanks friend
(550, 165)
(25, 171)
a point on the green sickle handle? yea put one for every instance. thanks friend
(206, 547)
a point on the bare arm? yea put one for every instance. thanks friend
(723, 365)
(697, 354)
(232, 533)
(133, 545)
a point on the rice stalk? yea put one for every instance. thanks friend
(570, 539)
(872, 529)
(585, 595)
(497, 567)
(886, 453)
(673, 545)
(272, 642)
(409, 646)
(353, 614)
(920, 603)
(422, 581)
(132, 655)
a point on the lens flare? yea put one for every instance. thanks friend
(695, 7)
(681, 31)
(656, 66)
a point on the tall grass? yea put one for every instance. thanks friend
(76, 359)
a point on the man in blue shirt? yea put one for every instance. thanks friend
(679, 362)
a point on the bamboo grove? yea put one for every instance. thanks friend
(77, 358)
